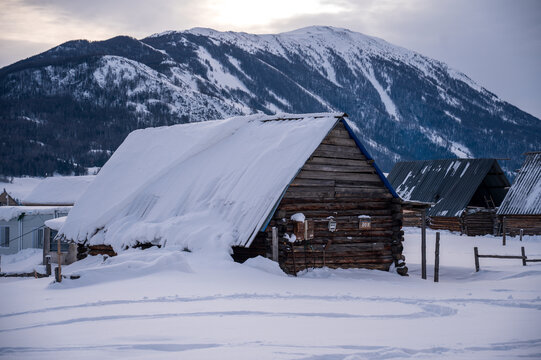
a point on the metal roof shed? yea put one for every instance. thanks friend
(456, 187)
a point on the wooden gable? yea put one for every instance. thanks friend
(7, 200)
(337, 182)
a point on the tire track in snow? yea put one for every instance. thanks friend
(527, 303)
(427, 311)
(340, 352)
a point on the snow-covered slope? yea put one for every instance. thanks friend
(406, 106)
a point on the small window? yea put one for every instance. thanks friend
(54, 243)
(37, 236)
(4, 236)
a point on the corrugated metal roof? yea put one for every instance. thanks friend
(524, 196)
(451, 184)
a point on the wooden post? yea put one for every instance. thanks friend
(437, 259)
(1, 261)
(503, 229)
(274, 243)
(523, 255)
(58, 270)
(57, 275)
(521, 234)
(476, 256)
(423, 244)
(48, 265)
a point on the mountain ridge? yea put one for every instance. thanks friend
(406, 106)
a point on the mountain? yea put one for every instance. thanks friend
(70, 107)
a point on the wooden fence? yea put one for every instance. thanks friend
(523, 257)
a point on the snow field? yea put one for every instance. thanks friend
(173, 304)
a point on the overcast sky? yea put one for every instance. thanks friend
(495, 42)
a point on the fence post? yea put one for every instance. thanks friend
(0, 263)
(48, 265)
(476, 256)
(58, 269)
(504, 231)
(437, 259)
(423, 244)
(274, 243)
(523, 255)
(521, 234)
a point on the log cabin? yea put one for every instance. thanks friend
(298, 189)
(7, 200)
(465, 193)
(521, 208)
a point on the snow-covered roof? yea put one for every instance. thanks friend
(210, 184)
(12, 212)
(56, 223)
(524, 196)
(58, 190)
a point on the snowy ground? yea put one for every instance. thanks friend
(154, 304)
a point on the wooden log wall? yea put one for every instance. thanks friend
(413, 214)
(338, 181)
(83, 251)
(446, 223)
(531, 224)
(480, 222)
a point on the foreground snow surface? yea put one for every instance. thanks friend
(156, 304)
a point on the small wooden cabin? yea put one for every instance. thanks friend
(7, 200)
(465, 192)
(298, 189)
(521, 208)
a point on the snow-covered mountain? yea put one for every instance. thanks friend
(72, 105)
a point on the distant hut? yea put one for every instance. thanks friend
(521, 208)
(57, 191)
(298, 189)
(7, 200)
(465, 192)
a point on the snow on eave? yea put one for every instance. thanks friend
(56, 223)
(8, 213)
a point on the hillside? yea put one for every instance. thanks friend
(70, 107)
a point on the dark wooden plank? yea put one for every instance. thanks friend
(340, 141)
(339, 161)
(338, 155)
(339, 149)
(312, 182)
(326, 175)
(339, 168)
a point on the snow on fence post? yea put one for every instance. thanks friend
(521, 234)
(476, 256)
(423, 243)
(437, 259)
(274, 243)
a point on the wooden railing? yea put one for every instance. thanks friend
(523, 257)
